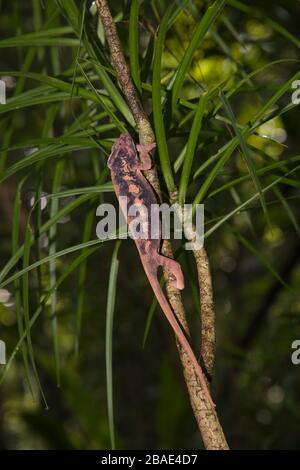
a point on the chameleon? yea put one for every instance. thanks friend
(129, 182)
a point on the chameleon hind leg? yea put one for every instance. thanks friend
(174, 268)
(144, 152)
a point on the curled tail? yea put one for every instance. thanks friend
(165, 306)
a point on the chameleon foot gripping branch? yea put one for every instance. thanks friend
(126, 173)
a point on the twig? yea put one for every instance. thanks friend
(206, 416)
(208, 335)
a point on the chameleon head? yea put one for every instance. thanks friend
(125, 140)
(123, 154)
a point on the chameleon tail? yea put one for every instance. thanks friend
(152, 277)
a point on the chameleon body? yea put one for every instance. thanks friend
(128, 181)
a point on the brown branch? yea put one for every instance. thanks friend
(206, 416)
(123, 73)
(208, 335)
(207, 419)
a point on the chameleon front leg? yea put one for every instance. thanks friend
(144, 152)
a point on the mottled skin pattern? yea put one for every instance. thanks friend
(126, 173)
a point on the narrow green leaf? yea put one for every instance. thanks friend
(245, 204)
(213, 174)
(287, 209)
(29, 57)
(245, 150)
(71, 12)
(134, 43)
(114, 117)
(45, 227)
(88, 225)
(17, 285)
(57, 179)
(56, 83)
(205, 23)
(260, 171)
(286, 87)
(96, 55)
(41, 38)
(25, 292)
(53, 151)
(157, 104)
(110, 308)
(191, 148)
(262, 258)
(269, 21)
(69, 269)
(40, 41)
(49, 258)
(236, 87)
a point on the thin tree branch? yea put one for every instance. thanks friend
(207, 419)
(206, 416)
(208, 334)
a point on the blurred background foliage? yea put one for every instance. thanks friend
(62, 114)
